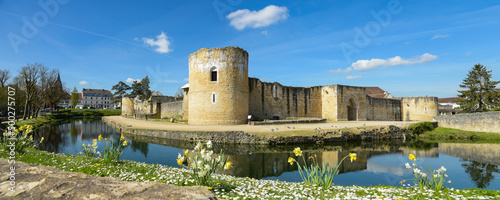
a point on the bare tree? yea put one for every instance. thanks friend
(4, 77)
(29, 76)
(54, 91)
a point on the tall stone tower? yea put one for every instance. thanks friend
(218, 86)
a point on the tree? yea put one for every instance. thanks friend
(145, 87)
(74, 97)
(29, 76)
(137, 89)
(480, 94)
(4, 77)
(120, 91)
(53, 90)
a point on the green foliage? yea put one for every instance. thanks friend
(90, 150)
(19, 139)
(141, 88)
(74, 97)
(313, 174)
(113, 151)
(447, 134)
(421, 127)
(435, 182)
(479, 94)
(202, 163)
(120, 91)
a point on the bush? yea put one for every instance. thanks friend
(421, 127)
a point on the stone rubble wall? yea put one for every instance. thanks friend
(481, 122)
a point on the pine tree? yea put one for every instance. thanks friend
(480, 94)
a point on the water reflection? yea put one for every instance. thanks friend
(379, 162)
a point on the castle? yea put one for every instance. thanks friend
(220, 92)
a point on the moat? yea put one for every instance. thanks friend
(379, 163)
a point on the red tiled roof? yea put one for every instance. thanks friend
(375, 92)
(449, 99)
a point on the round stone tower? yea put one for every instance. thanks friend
(127, 107)
(218, 86)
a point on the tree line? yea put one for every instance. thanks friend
(36, 86)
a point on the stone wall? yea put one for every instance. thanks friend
(143, 107)
(329, 102)
(230, 88)
(171, 109)
(354, 97)
(482, 122)
(127, 106)
(418, 108)
(379, 109)
(273, 100)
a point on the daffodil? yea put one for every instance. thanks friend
(353, 156)
(125, 143)
(291, 160)
(179, 162)
(41, 139)
(186, 152)
(99, 138)
(297, 151)
(228, 165)
(21, 128)
(412, 157)
(122, 138)
(94, 141)
(83, 145)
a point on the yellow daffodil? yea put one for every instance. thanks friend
(41, 139)
(228, 165)
(83, 145)
(91, 165)
(100, 155)
(94, 141)
(16, 131)
(186, 152)
(412, 157)
(125, 143)
(291, 160)
(122, 138)
(209, 188)
(99, 137)
(353, 156)
(297, 151)
(98, 165)
(21, 128)
(179, 162)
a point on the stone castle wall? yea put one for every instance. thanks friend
(171, 109)
(230, 89)
(482, 122)
(268, 100)
(418, 108)
(356, 95)
(127, 106)
(329, 102)
(380, 109)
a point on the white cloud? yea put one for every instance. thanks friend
(339, 70)
(244, 18)
(186, 79)
(161, 42)
(131, 80)
(264, 32)
(83, 83)
(439, 36)
(353, 77)
(95, 83)
(468, 54)
(362, 65)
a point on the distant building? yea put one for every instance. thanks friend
(448, 106)
(376, 92)
(95, 98)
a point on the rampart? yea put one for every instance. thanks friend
(275, 101)
(379, 109)
(483, 122)
(418, 108)
(172, 109)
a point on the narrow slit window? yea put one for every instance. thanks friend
(214, 97)
(213, 74)
(275, 91)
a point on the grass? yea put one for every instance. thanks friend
(448, 134)
(229, 187)
(36, 122)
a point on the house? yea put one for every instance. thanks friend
(448, 106)
(95, 98)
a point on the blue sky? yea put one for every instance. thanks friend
(409, 48)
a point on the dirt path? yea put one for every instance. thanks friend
(142, 124)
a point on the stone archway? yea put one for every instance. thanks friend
(352, 110)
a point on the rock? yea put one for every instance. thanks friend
(42, 182)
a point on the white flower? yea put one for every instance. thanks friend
(408, 165)
(209, 144)
(197, 147)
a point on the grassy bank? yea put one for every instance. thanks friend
(87, 113)
(448, 134)
(229, 187)
(36, 122)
